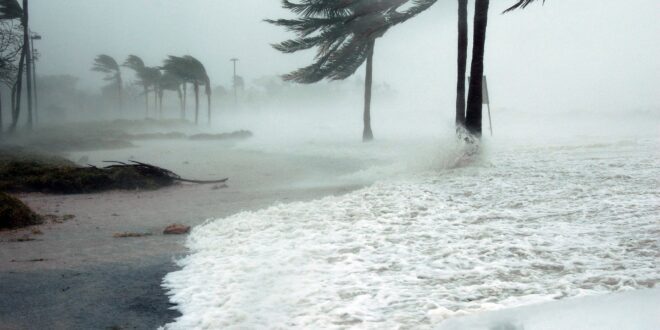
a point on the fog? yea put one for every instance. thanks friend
(565, 56)
(291, 216)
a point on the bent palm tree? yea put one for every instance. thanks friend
(106, 64)
(200, 78)
(344, 33)
(137, 64)
(170, 82)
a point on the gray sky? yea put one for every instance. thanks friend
(564, 56)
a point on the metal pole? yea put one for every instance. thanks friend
(490, 121)
(235, 84)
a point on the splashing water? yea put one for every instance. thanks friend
(528, 225)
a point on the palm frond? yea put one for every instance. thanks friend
(10, 9)
(106, 64)
(521, 4)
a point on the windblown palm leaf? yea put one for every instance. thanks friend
(106, 64)
(521, 4)
(341, 30)
(10, 9)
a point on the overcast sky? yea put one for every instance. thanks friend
(564, 56)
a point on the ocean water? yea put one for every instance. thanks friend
(523, 223)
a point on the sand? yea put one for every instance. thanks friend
(76, 275)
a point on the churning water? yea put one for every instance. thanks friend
(522, 224)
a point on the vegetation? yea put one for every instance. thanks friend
(106, 64)
(188, 69)
(344, 34)
(14, 214)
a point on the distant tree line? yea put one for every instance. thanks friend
(174, 75)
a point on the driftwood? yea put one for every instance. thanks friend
(155, 171)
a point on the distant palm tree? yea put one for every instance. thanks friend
(152, 76)
(190, 70)
(106, 64)
(171, 82)
(136, 64)
(201, 78)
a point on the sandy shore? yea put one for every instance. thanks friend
(76, 275)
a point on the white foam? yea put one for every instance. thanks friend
(527, 225)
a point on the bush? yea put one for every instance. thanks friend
(14, 214)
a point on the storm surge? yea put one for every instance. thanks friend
(523, 224)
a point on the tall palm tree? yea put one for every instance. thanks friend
(475, 94)
(200, 78)
(178, 67)
(191, 70)
(344, 33)
(152, 75)
(462, 62)
(106, 64)
(136, 64)
(171, 82)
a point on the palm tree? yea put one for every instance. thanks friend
(462, 62)
(475, 94)
(152, 76)
(136, 64)
(177, 66)
(106, 64)
(200, 78)
(344, 33)
(190, 70)
(171, 82)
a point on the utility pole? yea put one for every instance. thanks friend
(235, 60)
(28, 65)
(34, 37)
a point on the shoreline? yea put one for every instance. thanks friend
(76, 275)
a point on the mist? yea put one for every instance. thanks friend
(145, 175)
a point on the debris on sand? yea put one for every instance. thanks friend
(130, 235)
(14, 214)
(176, 229)
(34, 174)
(223, 136)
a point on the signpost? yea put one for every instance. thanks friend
(486, 101)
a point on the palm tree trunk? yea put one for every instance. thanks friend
(1, 123)
(17, 90)
(155, 101)
(462, 61)
(196, 85)
(146, 100)
(160, 104)
(208, 102)
(367, 134)
(179, 93)
(119, 91)
(28, 62)
(475, 96)
(185, 99)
